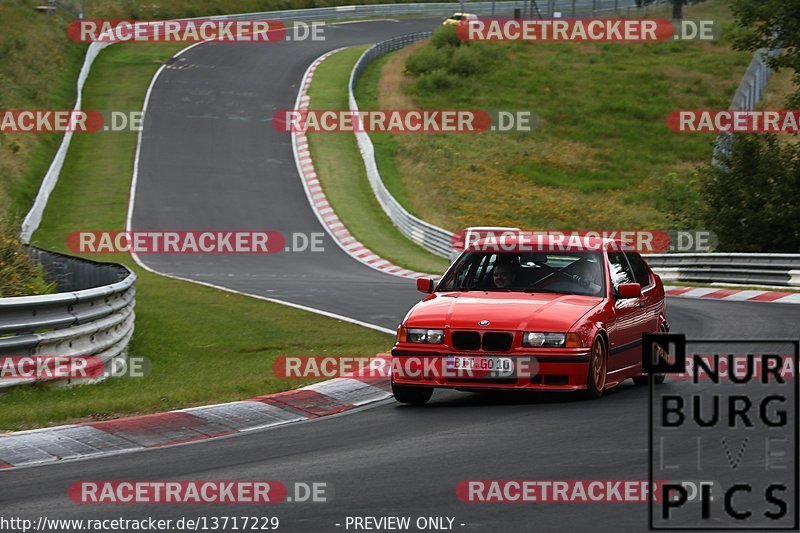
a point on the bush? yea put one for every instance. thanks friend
(427, 59)
(751, 198)
(445, 37)
(466, 61)
(439, 65)
(438, 80)
(19, 274)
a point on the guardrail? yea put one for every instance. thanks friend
(92, 315)
(749, 93)
(738, 268)
(433, 238)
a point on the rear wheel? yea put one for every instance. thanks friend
(412, 395)
(598, 368)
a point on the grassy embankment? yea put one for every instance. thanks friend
(602, 156)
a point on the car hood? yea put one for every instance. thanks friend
(503, 310)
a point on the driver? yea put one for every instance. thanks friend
(504, 275)
(588, 274)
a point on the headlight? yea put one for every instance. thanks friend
(428, 336)
(535, 340)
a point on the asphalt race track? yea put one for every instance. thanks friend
(211, 159)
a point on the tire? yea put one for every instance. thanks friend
(412, 395)
(598, 368)
(658, 378)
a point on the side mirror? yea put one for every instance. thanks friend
(630, 290)
(425, 285)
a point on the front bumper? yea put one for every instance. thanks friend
(564, 369)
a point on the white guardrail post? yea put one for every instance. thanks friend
(749, 93)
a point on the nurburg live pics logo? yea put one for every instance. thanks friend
(733, 420)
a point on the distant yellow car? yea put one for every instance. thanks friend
(459, 18)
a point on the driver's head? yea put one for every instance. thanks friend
(588, 270)
(503, 275)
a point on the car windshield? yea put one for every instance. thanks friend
(556, 272)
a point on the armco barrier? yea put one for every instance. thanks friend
(738, 268)
(434, 239)
(749, 93)
(91, 315)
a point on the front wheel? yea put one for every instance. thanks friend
(412, 395)
(598, 368)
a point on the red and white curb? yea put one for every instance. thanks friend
(93, 439)
(727, 295)
(316, 197)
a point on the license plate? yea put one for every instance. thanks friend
(480, 366)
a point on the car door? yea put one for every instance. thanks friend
(625, 336)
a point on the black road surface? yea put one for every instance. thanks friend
(211, 159)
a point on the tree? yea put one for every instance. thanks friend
(751, 198)
(772, 24)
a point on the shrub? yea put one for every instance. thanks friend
(19, 274)
(427, 59)
(751, 198)
(438, 80)
(466, 61)
(445, 36)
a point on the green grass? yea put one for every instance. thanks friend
(340, 170)
(38, 70)
(205, 345)
(601, 151)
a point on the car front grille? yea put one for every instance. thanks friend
(466, 340)
(493, 341)
(488, 341)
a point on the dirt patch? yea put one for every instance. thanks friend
(394, 80)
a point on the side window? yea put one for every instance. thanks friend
(483, 272)
(640, 273)
(620, 270)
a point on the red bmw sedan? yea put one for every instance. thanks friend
(536, 316)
